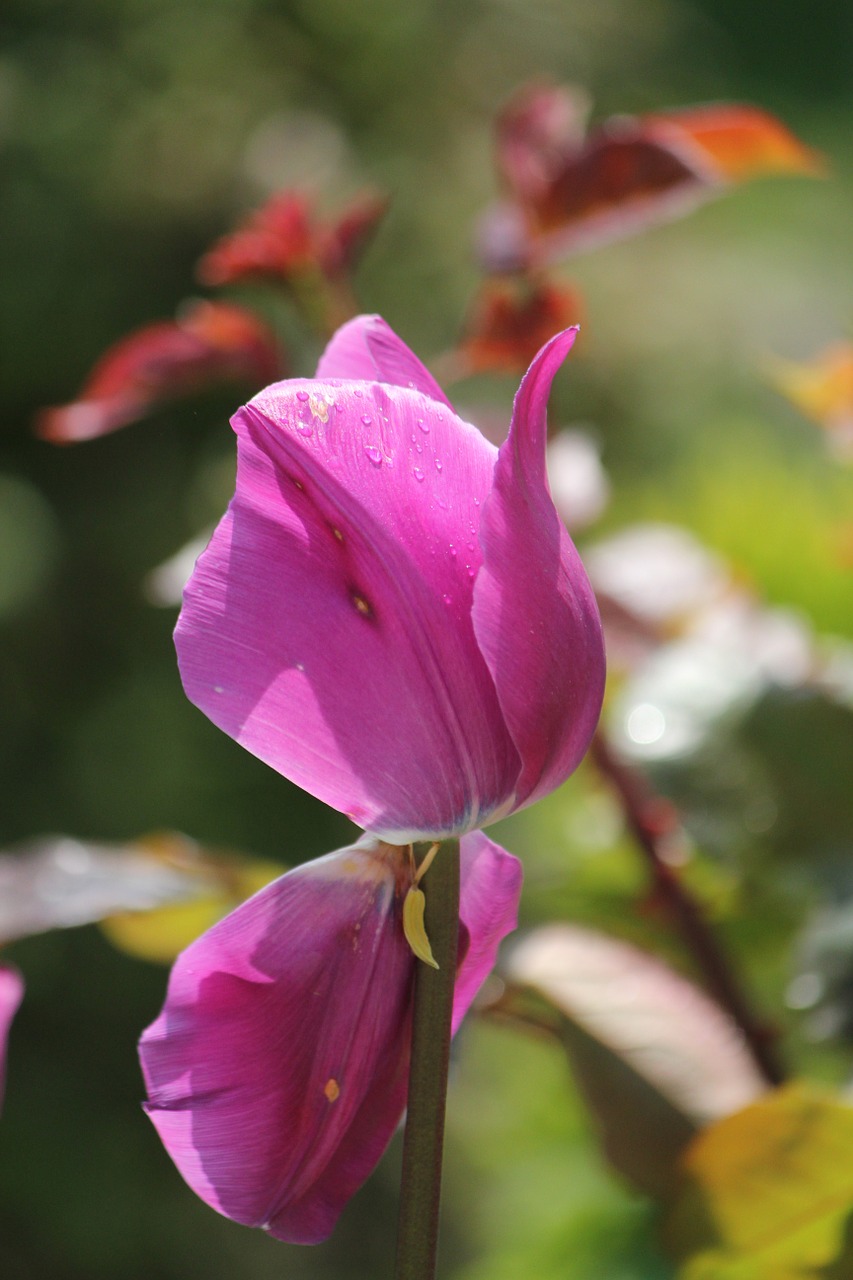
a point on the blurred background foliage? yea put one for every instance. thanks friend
(133, 133)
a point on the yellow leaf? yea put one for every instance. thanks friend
(160, 934)
(767, 1191)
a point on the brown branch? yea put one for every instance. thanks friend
(654, 824)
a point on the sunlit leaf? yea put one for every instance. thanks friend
(767, 1191)
(159, 935)
(209, 343)
(654, 1056)
(58, 882)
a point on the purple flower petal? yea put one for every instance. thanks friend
(11, 994)
(489, 890)
(327, 628)
(535, 615)
(277, 1070)
(367, 349)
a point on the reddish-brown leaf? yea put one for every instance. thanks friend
(210, 342)
(285, 239)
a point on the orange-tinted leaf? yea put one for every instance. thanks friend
(284, 240)
(741, 141)
(210, 342)
(629, 173)
(822, 389)
(767, 1191)
(510, 320)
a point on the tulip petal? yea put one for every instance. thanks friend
(489, 891)
(534, 613)
(367, 349)
(327, 628)
(277, 1070)
(11, 993)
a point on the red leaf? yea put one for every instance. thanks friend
(510, 320)
(284, 239)
(210, 342)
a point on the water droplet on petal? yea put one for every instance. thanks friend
(476, 502)
(472, 573)
(419, 448)
(302, 395)
(424, 426)
(358, 393)
(366, 419)
(304, 428)
(417, 473)
(447, 599)
(374, 454)
(438, 464)
(453, 550)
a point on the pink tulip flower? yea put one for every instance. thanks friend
(11, 992)
(392, 615)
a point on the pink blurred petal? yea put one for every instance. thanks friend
(327, 628)
(534, 611)
(11, 994)
(489, 892)
(367, 349)
(277, 1071)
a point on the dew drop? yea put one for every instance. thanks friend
(424, 426)
(438, 464)
(358, 393)
(302, 395)
(417, 473)
(453, 550)
(304, 428)
(366, 419)
(419, 448)
(476, 502)
(374, 454)
(472, 573)
(447, 599)
(339, 408)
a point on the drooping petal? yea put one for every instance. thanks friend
(276, 1073)
(209, 343)
(489, 891)
(327, 628)
(367, 349)
(534, 611)
(11, 994)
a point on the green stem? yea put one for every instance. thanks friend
(420, 1192)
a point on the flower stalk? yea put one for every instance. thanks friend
(420, 1193)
